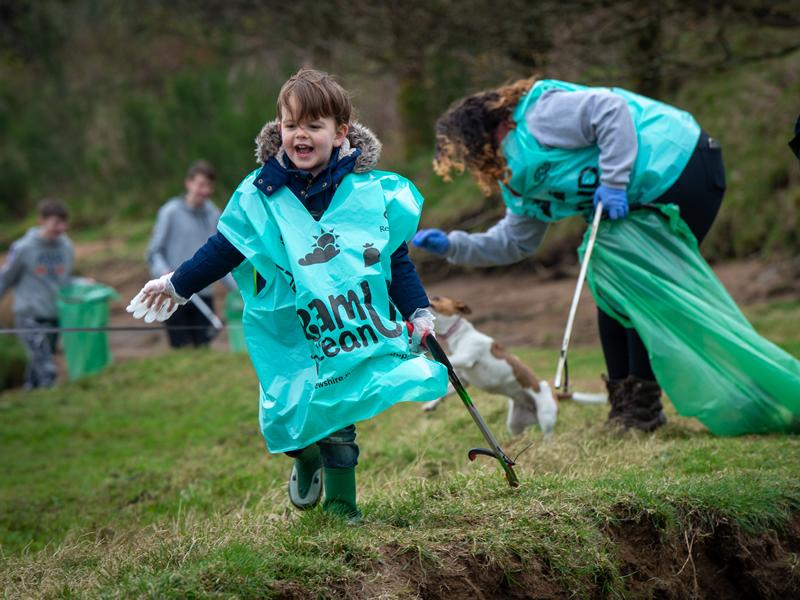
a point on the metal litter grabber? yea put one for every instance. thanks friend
(206, 311)
(494, 450)
(562, 358)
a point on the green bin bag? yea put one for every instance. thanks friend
(647, 272)
(85, 305)
(234, 306)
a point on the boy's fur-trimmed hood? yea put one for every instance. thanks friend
(268, 144)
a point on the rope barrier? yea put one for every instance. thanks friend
(17, 330)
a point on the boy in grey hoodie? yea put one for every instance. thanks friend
(184, 224)
(38, 266)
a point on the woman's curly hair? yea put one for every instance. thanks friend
(465, 135)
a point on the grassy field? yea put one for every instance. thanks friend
(152, 481)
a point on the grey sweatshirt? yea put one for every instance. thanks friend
(560, 119)
(178, 233)
(37, 269)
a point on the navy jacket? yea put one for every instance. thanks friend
(218, 256)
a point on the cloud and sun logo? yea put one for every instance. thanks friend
(323, 250)
(372, 256)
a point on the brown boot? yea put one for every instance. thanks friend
(617, 392)
(643, 407)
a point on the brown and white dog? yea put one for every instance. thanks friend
(482, 362)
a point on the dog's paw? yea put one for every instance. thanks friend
(520, 416)
(430, 406)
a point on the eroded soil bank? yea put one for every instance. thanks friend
(706, 560)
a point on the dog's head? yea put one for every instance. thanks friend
(449, 307)
(447, 311)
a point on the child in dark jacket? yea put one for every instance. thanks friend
(321, 321)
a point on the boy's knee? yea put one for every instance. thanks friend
(339, 450)
(339, 456)
(346, 435)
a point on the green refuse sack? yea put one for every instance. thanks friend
(85, 305)
(647, 272)
(234, 306)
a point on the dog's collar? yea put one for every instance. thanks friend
(452, 329)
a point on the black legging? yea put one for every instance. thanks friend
(698, 193)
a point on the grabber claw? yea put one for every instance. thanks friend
(496, 451)
(475, 452)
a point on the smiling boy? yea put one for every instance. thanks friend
(317, 241)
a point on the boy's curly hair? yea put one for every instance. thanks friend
(465, 135)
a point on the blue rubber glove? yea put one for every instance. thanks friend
(615, 202)
(432, 240)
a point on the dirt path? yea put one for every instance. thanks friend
(520, 309)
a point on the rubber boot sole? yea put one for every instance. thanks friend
(312, 497)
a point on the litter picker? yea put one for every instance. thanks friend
(494, 450)
(562, 358)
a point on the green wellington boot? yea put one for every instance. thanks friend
(340, 493)
(305, 482)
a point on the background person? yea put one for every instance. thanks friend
(554, 149)
(182, 226)
(38, 265)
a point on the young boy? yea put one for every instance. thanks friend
(38, 265)
(183, 224)
(318, 243)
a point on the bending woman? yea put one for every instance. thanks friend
(554, 149)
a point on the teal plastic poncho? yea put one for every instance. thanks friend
(647, 272)
(327, 344)
(554, 183)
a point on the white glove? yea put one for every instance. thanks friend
(422, 320)
(157, 301)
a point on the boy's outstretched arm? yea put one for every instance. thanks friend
(159, 298)
(214, 260)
